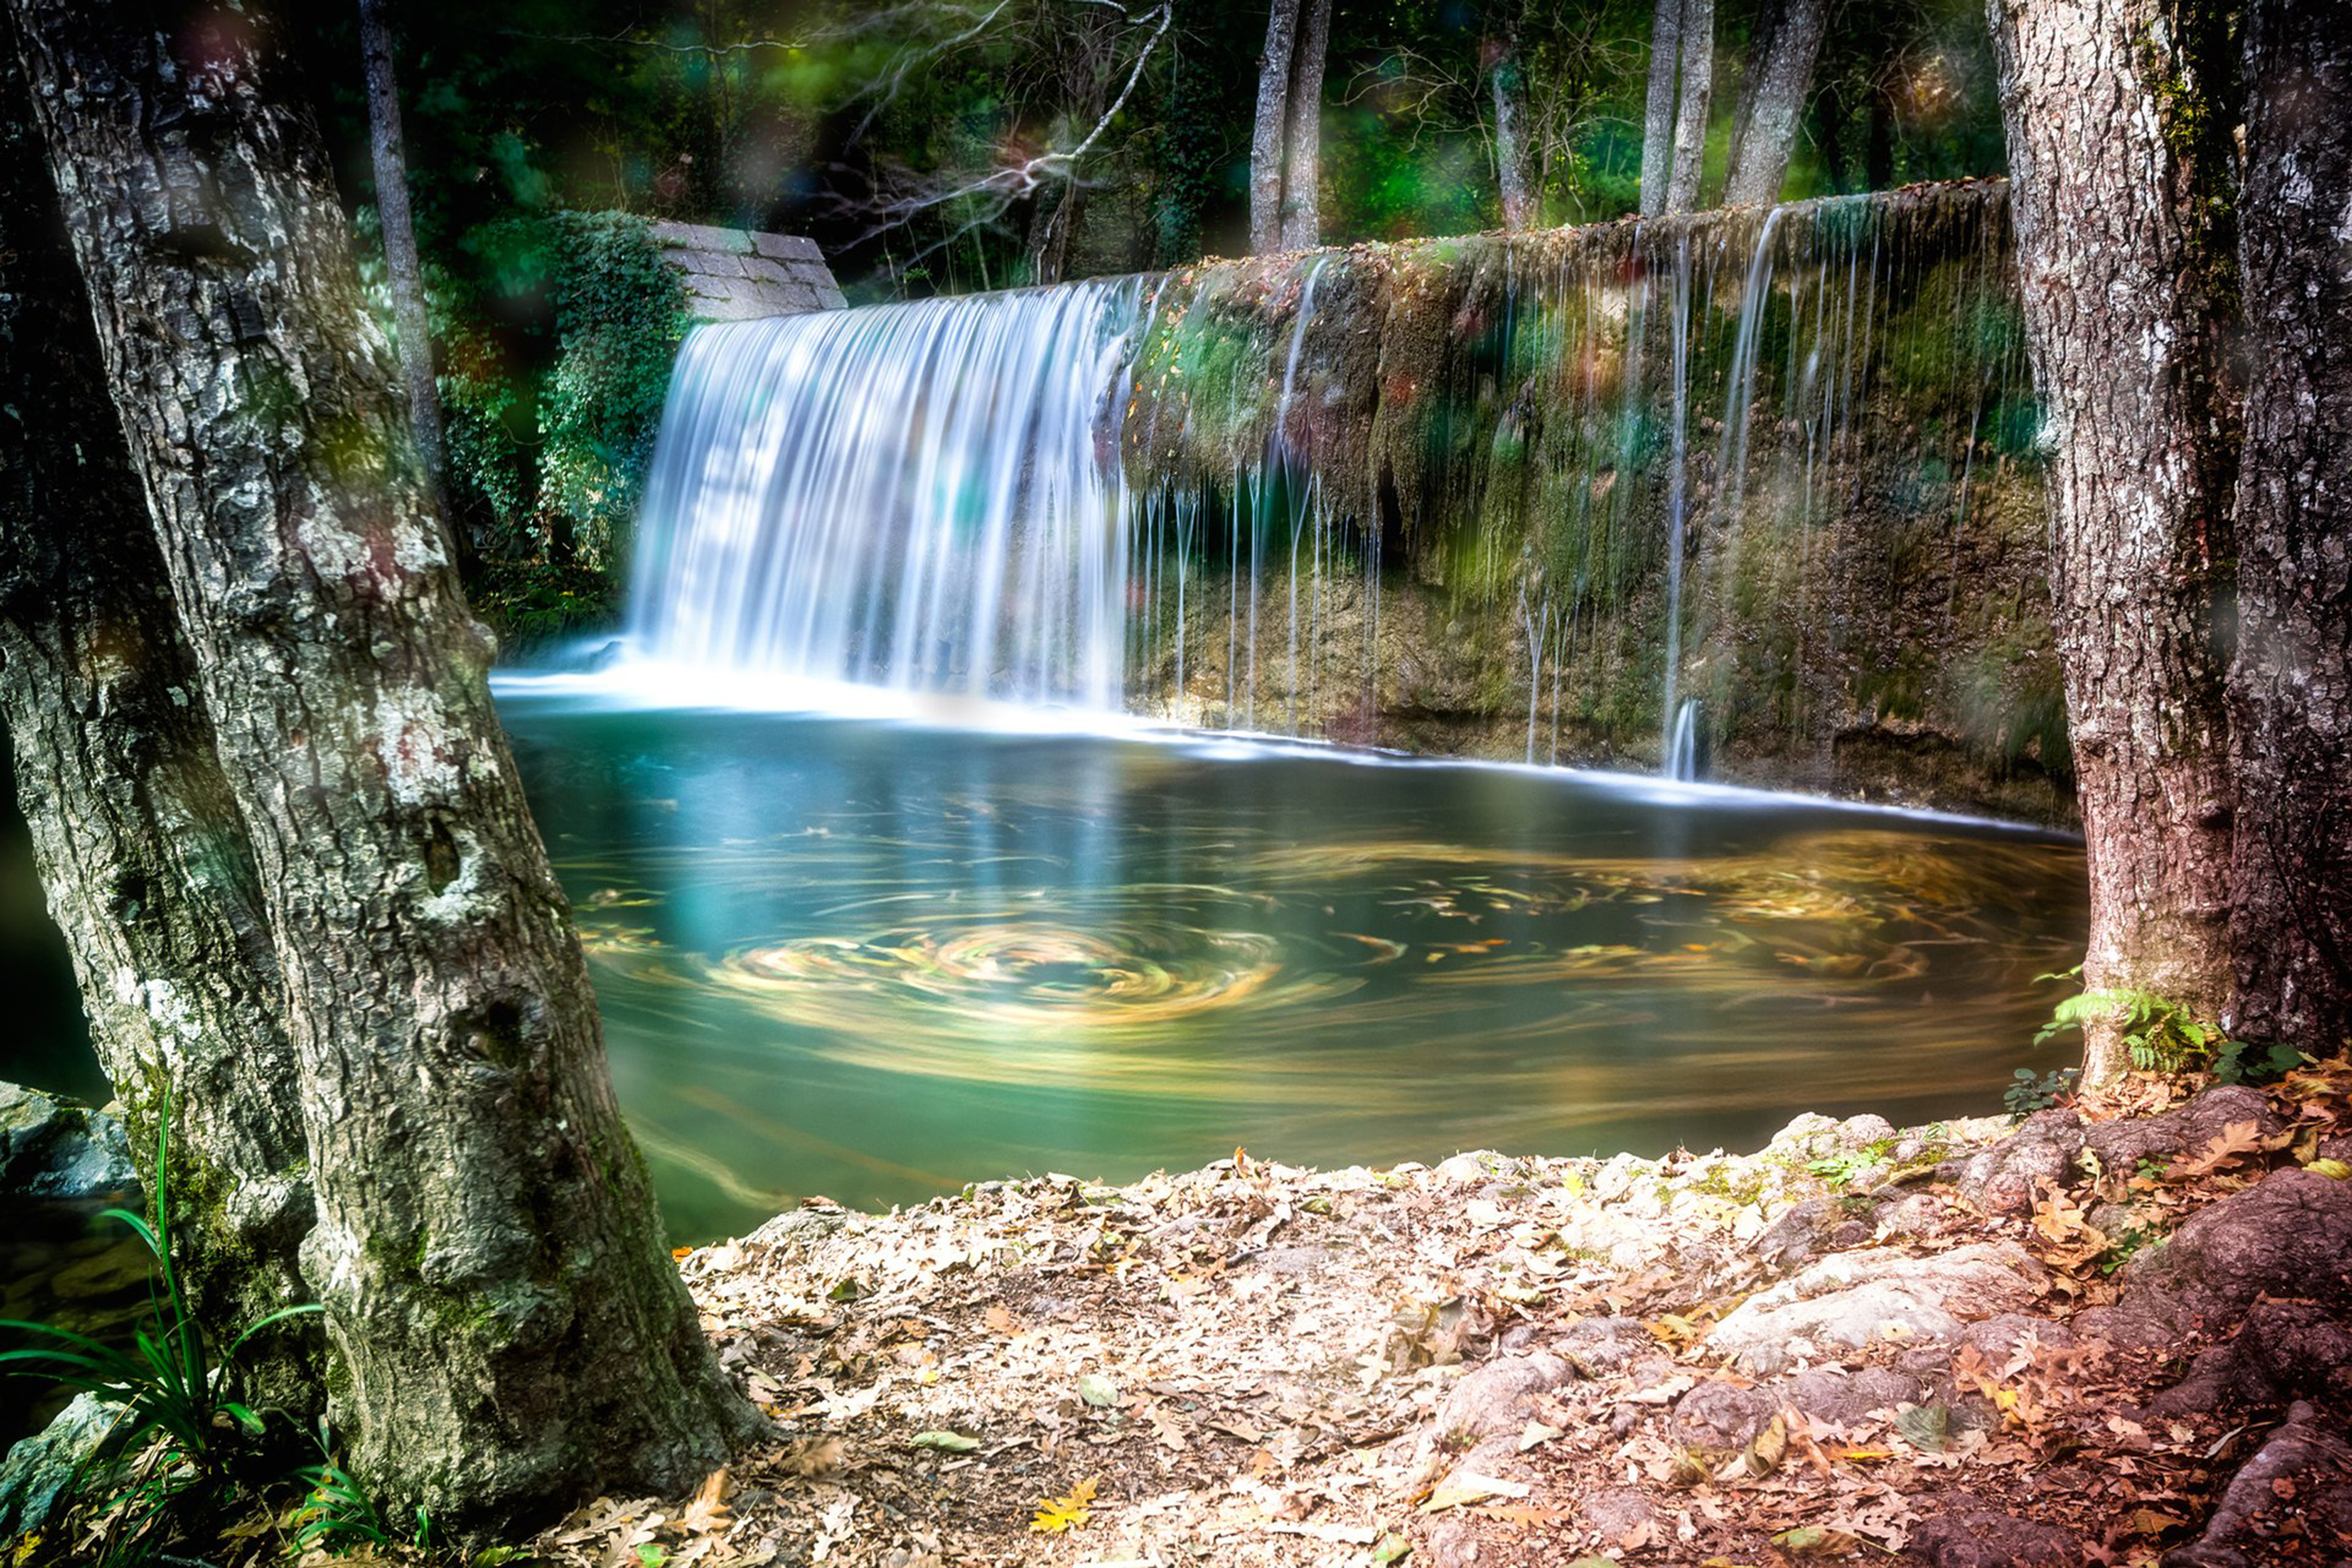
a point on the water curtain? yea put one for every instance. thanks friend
(1738, 485)
(914, 496)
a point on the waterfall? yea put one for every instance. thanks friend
(1682, 743)
(915, 496)
(1678, 494)
(1506, 495)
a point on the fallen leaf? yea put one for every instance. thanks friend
(1763, 1454)
(1057, 1515)
(947, 1442)
(1813, 1541)
(1926, 1426)
(706, 1513)
(2235, 1139)
(1536, 1434)
(1468, 1486)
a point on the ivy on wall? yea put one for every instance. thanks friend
(557, 339)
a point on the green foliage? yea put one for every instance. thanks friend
(2134, 1240)
(2029, 1091)
(2165, 1036)
(1844, 1169)
(337, 1512)
(2240, 1061)
(558, 353)
(181, 1434)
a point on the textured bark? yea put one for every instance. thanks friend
(1270, 137)
(2291, 686)
(145, 862)
(1772, 101)
(1690, 115)
(1303, 137)
(2120, 259)
(514, 1334)
(1658, 108)
(1516, 174)
(388, 150)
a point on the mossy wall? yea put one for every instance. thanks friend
(1449, 470)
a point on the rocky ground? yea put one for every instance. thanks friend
(2119, 1334)
(2115, 1335)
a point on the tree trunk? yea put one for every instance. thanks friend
(1658, 108)
(145, 862)
(1690, 117)
(514, 1333)
(390, 161)
(1515, 164)
(1303, 139)
(2111, 191)
(2290, 687)
(1772, 102)
(1878, 150)
(1270, 138)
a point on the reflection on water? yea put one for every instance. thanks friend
(877, 961)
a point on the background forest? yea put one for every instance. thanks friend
(935, 147)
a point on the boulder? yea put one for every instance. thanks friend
(2122, 1145)
(1718, 1417)
(33, 1477)
(1813, 1136)
(51, 1148)
(1600, 1346)
(2282, 1351)
(1492, 1402)
(1617, 1513)
(1877, 1296)
(1810, 1230)
(2008, 1177)
(1999, 1337)
(1846, 1398)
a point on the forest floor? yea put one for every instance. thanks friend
(2113, 1332)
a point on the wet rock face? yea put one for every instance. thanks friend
(34, 1477)
(51, 1148)
(1487, 455)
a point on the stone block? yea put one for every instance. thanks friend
(787, 247)
(702, 236)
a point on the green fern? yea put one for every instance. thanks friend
(2162, 1035)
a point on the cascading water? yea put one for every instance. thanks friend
(915, 496)
(1682, 743)
(1529, 497)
